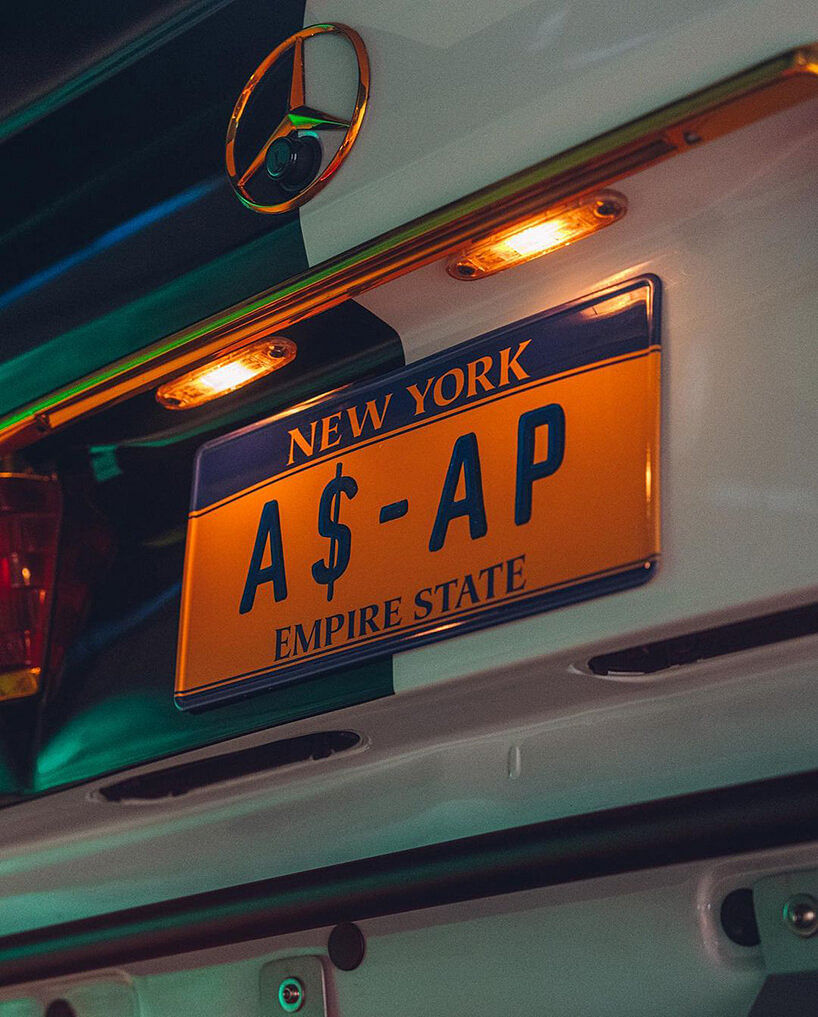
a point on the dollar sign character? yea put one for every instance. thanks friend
(340, 537)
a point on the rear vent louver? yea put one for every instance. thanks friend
(173, 781)
(750, 634)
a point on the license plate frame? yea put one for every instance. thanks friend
(596, 359)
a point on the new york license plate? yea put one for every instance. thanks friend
(511, 474)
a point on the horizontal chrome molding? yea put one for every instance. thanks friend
(739, 100)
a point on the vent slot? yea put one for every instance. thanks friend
(174, 781)
(764, 630)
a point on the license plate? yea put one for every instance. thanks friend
(514, 473)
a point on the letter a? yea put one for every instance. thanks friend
(269, 528)
(465, 459)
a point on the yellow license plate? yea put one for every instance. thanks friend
(511, 474)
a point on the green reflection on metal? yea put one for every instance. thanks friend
(305, 119)
(127, 728)
(427, 226)
(127, 329)
(101, 70)
(291, 995)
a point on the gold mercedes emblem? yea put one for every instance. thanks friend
(292, 158)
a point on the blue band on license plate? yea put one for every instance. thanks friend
(508, 475)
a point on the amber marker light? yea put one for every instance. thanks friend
(538, 235)
(227, 374)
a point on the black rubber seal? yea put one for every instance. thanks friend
(346, 946)
(738, 917)
(736, 637)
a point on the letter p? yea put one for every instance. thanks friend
(552, 417)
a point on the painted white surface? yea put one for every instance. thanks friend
(637, 945)
(464, 94)
(111, 994)
(436, 768)
(732, 232)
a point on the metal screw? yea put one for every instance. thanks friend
(606, 208)
(291, 995)
(801, 915)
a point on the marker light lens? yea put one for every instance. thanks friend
(534, 237)
(227, 374)
(30, 512)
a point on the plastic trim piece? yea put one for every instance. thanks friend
(690, 122)
(184, 778)
(735, 637)
(703, 825)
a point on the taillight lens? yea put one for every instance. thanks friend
(30, 511)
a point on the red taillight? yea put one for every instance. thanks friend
(30, 511)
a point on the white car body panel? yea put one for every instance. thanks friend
(506, 726)
(464, 95)
(637, 945)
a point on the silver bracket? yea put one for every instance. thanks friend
(789, 932)
(786, 907)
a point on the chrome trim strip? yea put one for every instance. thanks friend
(778, 83)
